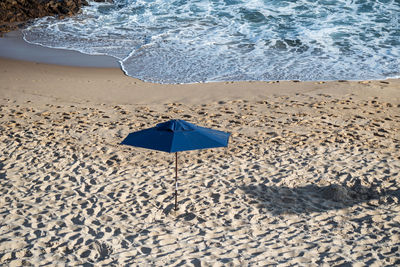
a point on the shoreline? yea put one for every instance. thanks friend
(65, 75)
(46, 82)
(14, 47)
(310, 175)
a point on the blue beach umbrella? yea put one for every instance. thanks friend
(175, 136)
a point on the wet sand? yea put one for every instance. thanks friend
(13, 46)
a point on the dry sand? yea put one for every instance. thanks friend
(310, 177)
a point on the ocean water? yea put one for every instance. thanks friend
(183, 41)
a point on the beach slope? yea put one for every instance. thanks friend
(310, 176)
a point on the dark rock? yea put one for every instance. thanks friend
(15, 13)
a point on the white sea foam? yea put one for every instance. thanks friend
(185, 41)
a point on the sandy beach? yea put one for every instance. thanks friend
(310, 177)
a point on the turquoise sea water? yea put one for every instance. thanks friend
(182, 41)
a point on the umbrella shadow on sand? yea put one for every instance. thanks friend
(312, 198)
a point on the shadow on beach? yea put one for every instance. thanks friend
(2, 173)
(312, 198)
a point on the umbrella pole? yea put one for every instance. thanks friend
(176, 181)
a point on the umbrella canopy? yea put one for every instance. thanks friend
(175, 136)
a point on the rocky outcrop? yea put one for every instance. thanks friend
(15, 13)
